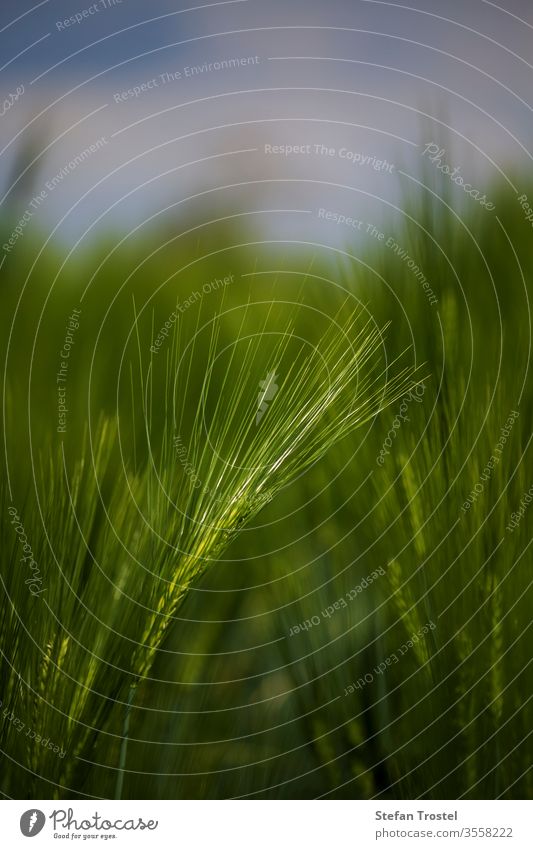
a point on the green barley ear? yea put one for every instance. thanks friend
(267, 408)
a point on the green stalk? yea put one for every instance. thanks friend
(124, 742)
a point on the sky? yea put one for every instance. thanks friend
(235, 106)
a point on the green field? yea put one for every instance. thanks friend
(334, 600)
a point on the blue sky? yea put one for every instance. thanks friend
(376, 78)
